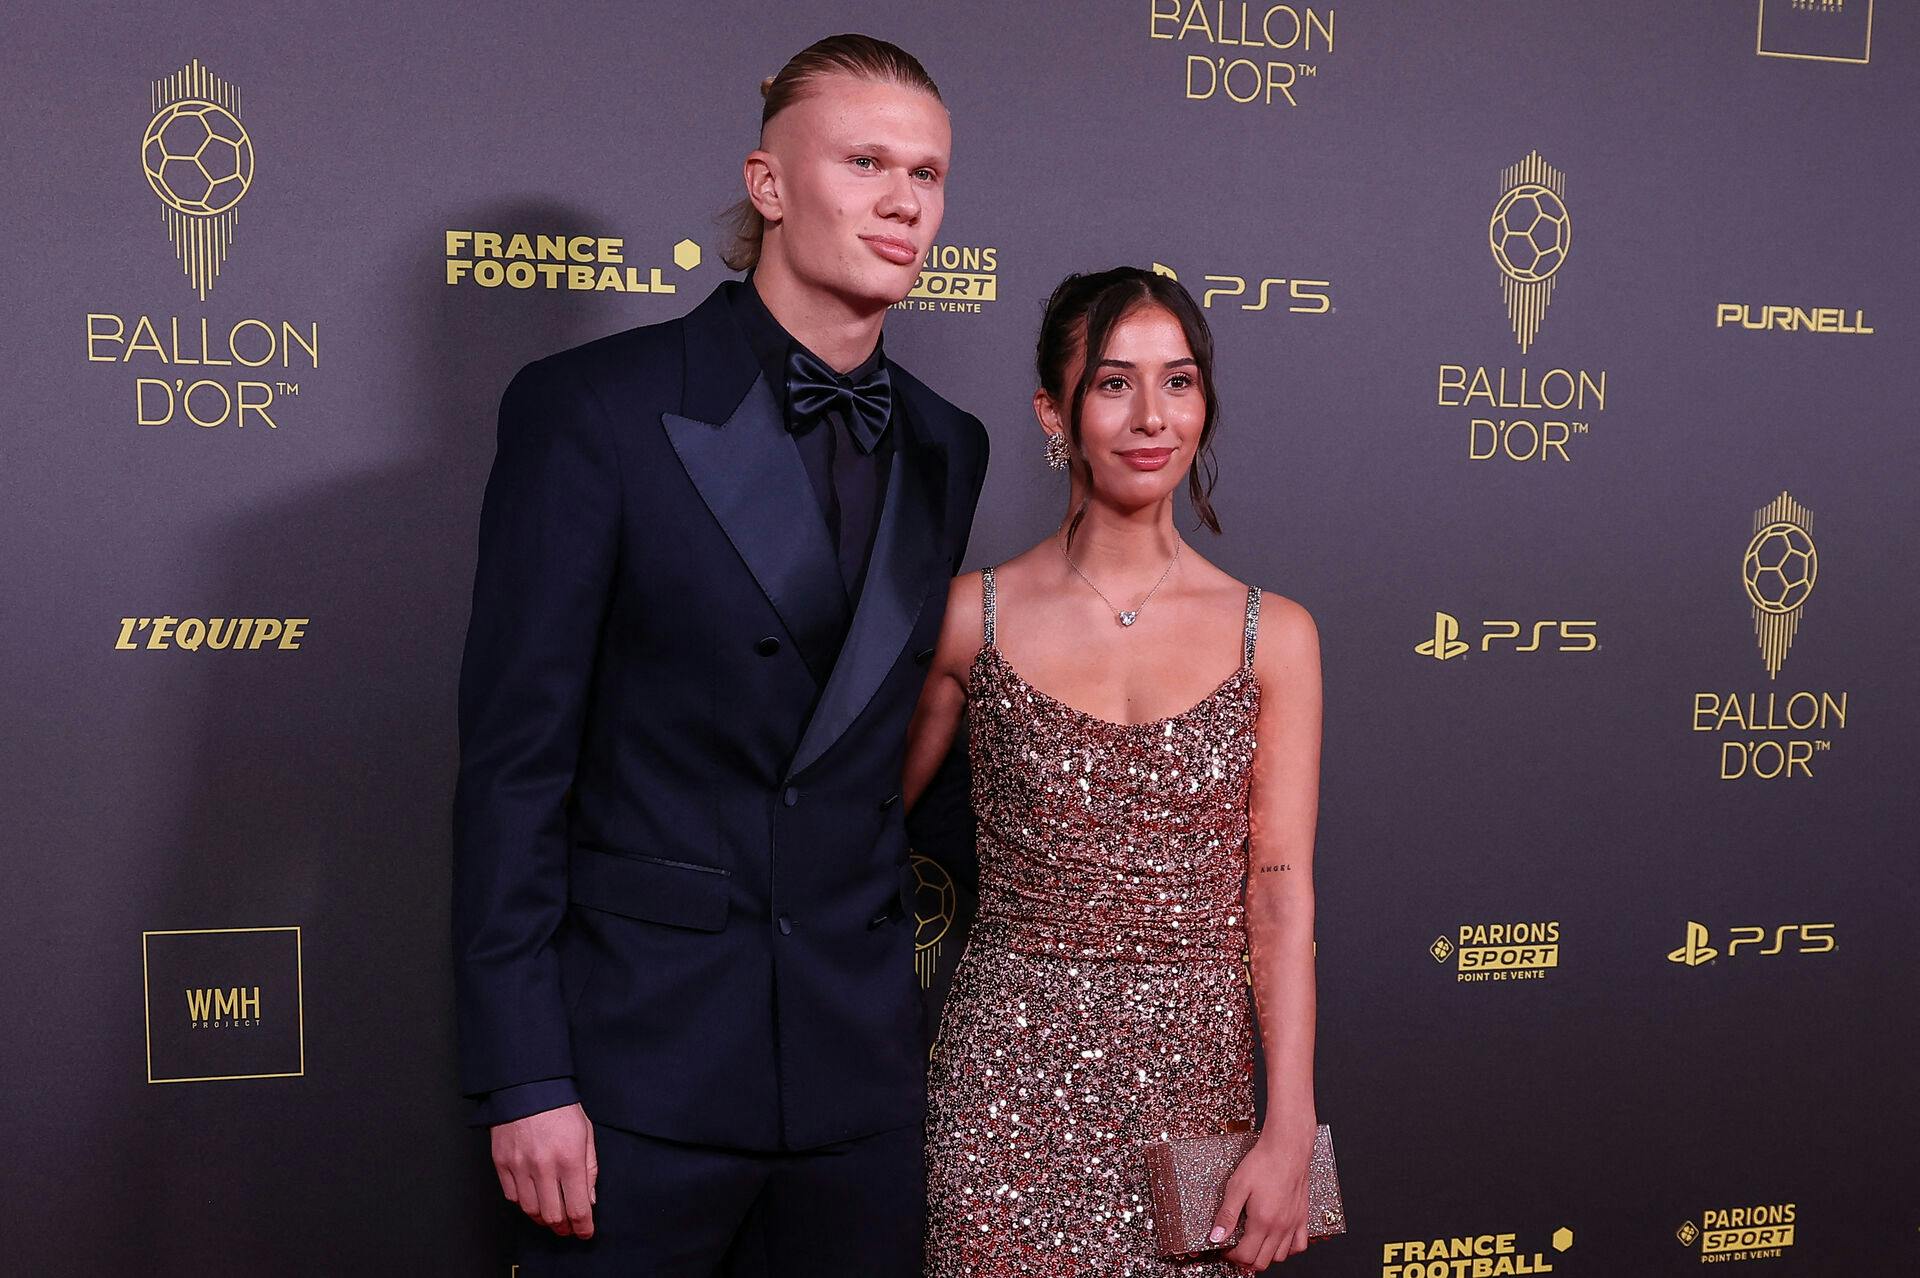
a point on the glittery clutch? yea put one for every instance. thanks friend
(1188, 1181)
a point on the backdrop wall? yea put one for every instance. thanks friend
(1568, 361)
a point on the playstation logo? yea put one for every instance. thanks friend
(1446, 642)
(1696, 951)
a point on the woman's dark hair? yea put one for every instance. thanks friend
(860, 56)
(1079, 317)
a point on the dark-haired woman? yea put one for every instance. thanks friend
(1144, 733)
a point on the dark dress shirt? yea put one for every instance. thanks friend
(850, 485)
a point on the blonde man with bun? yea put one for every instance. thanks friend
(713, 561)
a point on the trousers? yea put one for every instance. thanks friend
(855, 1209)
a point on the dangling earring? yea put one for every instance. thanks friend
(1057, 454)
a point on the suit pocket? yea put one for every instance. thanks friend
(649, 888)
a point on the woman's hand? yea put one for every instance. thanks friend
(1270, 1186)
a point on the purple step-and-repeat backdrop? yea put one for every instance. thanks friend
(1568, 357)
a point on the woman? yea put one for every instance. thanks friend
(1141, 821)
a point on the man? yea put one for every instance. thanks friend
(713, 563)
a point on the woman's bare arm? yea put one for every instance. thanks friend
(943, 700)
(1283, 810)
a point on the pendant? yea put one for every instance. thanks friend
(1128, 618)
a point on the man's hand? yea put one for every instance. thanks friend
(547, 1165)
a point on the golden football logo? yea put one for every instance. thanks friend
(198, 159)
(1529, 234)
(1778, 572)
(934, 906)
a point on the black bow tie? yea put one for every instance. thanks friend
(814, 390)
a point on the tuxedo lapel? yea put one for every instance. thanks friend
(906, 566)
(734, 447)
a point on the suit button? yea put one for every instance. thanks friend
(791, 797)
(889, 801)
(923, 656)
(767, 647)
(786, 926)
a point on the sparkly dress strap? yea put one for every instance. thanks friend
(1253, 623)
(986, 604)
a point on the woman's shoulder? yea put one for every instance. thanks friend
(1282, 612)
(963, 629)
(1285, 627)
(964, 596)
(1288, 637)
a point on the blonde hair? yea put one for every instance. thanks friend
(851, 54)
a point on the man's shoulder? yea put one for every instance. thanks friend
(616, 364)
(945, 415)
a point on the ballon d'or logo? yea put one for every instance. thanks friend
(1529, 234)
(935, 904)
(1778, 571)
(199, 160)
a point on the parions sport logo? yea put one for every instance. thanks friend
(1774, 735)
(1519, 951)
(1763, 1231)
(1525, 414)
(955, 279)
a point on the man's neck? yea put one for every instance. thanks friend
(822, 322)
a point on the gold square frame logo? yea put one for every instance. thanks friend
(1760, 33)
(293, 983)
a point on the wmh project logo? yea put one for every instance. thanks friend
(223, 1003)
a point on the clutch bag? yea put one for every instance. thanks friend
(1187, 1179)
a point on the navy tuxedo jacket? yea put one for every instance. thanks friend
(681, 875)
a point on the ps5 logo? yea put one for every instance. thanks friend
(1446, 643)
(1808, 938)
(1302, 297)
(1510, 635)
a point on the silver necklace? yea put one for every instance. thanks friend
(1123, 616)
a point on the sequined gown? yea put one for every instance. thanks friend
(1101, 1001)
